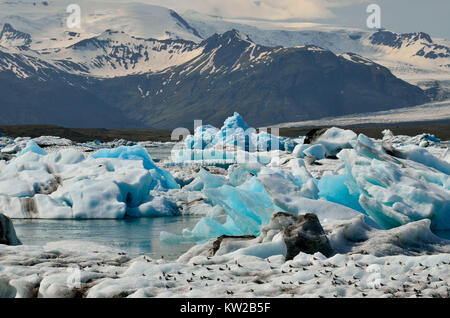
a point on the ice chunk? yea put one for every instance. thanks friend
(336, 139)
(139, 153)
(333, 189)
(423, 156)
(235, 122)
(157, 207)
(356, 237)
(68, 156)
(96, 200)
(32, 147)
(49, 208)
(203, 136)
(298, 151)
(228, 143)
(317, 151)
(127, 153)
(395, 193)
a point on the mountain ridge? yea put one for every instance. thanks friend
(139, 82)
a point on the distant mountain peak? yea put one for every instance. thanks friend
(422, 42)
(14, 38)
(234, 39)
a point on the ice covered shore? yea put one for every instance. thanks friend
(378, 203)
(384, 264)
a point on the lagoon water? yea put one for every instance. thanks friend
(135, 236)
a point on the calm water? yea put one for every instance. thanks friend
(160, 151)
(135, 236)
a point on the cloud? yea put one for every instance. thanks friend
(260, 9)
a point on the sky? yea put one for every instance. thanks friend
(431, 16)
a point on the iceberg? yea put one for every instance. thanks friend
(395, 192)
(317, 151)
(65, 184)
(232, 143)
(140, 154)
(32, 147)
(336, 139)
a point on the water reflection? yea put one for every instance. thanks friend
(135, 236)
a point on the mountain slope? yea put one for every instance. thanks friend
(114, 79)
(33, 101)
(266, 85)
(414, 57)
(45, 21)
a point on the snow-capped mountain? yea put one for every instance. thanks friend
(110, 54)
(156, 69)
(114, 39)
(46, 21)
(414, 57)
(10, 37)
(229, 71)
(122, 39)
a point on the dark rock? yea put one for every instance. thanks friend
(313, 135)
(5, 157)
(217, 243)
(7, 232)
(302, 233)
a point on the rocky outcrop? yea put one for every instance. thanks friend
(314, 134)
(7, 232)
(301, 233)
(306, 235)
(218, 243)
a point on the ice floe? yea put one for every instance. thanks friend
(378, 206)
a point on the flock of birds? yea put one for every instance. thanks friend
(200, 278)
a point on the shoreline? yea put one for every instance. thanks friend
(440, 129)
